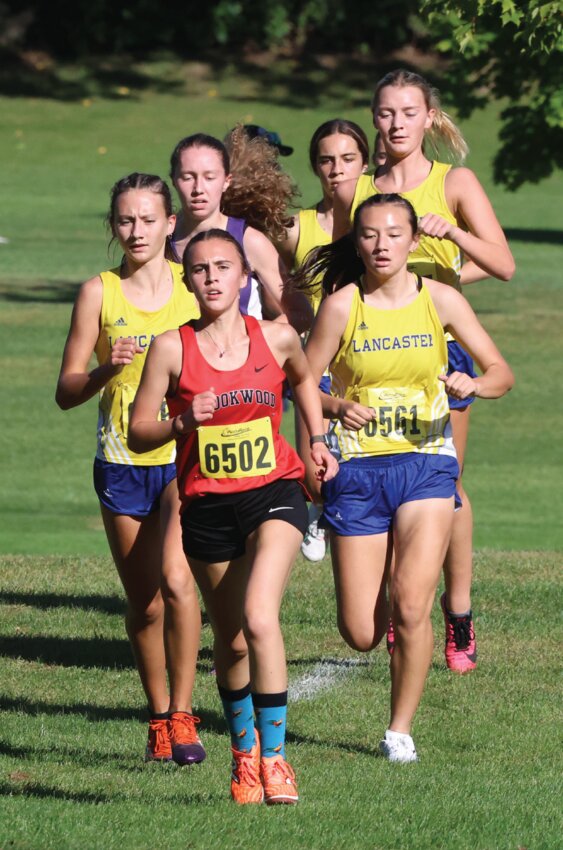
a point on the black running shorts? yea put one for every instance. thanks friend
(215, 527)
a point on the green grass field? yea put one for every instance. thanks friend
(72, 735)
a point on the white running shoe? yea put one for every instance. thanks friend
(398, 747)
(314, 543)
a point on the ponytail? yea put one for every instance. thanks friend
(337, 264)
(444, 134)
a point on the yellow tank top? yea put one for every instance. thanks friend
(311, 235)
(439, 259)
(390, 360)
(120, 318)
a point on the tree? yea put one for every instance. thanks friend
(509, 51)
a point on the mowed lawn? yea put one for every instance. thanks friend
(73, 733)
(72, 738)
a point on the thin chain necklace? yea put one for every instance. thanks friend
(222, 351)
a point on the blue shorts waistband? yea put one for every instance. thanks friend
(379, 461)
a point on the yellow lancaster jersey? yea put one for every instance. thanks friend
(390, 360)
(120, 318)
(439, 259)
(311, 235)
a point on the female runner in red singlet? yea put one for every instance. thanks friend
(243, 507)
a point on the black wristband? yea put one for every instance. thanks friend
(319, 438)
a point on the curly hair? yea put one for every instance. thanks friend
(260, 192)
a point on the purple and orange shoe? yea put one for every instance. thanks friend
(186, 747)
(460, 648)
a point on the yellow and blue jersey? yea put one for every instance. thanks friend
(439, 259)
(311, 235)
(120, 318)
(390, 360)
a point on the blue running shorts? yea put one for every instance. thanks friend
(324, 386)
(131, 490)
(459, 361)
(363, 498)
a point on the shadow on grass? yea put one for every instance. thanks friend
(304, 82)
(45, 601)
(211, 721)
(331, 744)
(23, 788)
(96, 713)
(535, 235)
(331, 661)
(106, 78)
(78, 756)
(112, 653)
(51, 291)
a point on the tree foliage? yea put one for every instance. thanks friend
(77, 28)
(510, 51)
(507, 50)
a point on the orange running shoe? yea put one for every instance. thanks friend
(158, 744)
(246, 786)
(186, 745)
(278, 779)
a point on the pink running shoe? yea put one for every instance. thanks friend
(460, 648)
(390, 637)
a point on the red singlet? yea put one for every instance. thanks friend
(252, 455)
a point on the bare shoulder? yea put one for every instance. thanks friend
(441, 291)
(261, 253)
(88, 306)
(92, 290)
(338, 304)
(447, 300)
(460, 180)
(255, 240)
(460, 173)
(168, 342)
(280, 336)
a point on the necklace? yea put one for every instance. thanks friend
(222, 351)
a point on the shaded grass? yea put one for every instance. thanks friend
(71, 771)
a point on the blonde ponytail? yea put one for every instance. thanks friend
(445, 136)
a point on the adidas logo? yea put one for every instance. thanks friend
(363, 327)
(120, 323)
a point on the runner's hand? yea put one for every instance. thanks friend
(354, 415)
(326, 463)
(459, 385)
(124, 350)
